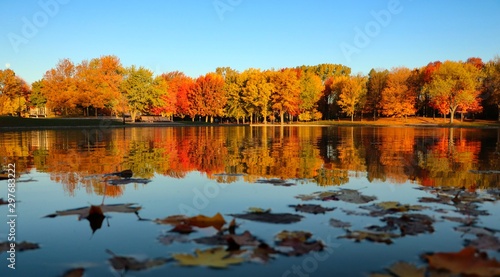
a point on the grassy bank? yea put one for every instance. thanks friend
(19, 122)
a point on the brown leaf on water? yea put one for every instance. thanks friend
(463, 220)
(245, 239)
(263, 253)
(411, 224)
(311, 208)
(201, 221)
(19, 246)
(278, 218)
(484, 242)
(75, 272)
(358, 236)
(298, 241)
(130, 263)
(346, 195)
(391, 207)
(182, 229)
(468, 262)
(2, 202)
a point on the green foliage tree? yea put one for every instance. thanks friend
(311, 89)
(141, 90)
(454, 84)
(256, 92)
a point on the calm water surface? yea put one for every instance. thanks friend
(208, 170)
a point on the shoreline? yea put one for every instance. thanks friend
(105, 123)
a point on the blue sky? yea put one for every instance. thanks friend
(196, 36)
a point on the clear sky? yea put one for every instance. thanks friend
(197, 36)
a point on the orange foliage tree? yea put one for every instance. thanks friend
(59, 86)
(398, 100)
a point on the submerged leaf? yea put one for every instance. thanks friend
(466, 262)
(339, 224)
(213, 257)
(130, 263)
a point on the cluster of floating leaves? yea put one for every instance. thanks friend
(228, 247)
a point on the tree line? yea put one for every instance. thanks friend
(304, 93)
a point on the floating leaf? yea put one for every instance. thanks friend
(468, 261)
(263, 253)
(411, 224)
(172, 220)
(130, 263)
(484, 242)
(256, 210)
(76, 272)
(278, 218)
(128, 181)
(201, 221)
(2, 202)
(311, 208)
(299, 235)
(346, 195)
(390, 207)
(20, 246)
(182, 229)
(275, 182)
(370, 236)
(245, 239)
(169, 238)
(213, 257)
(339, 224)
(298, 241)
(463, 220)
(473, 230)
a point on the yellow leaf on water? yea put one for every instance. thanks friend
(213, 257)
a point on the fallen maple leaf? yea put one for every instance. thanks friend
(467, 261)
(263, 253)
(172, 220)
(390, 207)
(411, 224)
(212, 257)
(484, 242)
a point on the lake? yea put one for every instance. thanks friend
(160, 201)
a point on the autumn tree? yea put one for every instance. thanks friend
(13, 93)
(424, 98)
(377, 81)
(311, 89)
(235, 105)
(256, 90)
(141, 91)
(208, 96)
(59, 86)
(169, 99)
(285, 96)
(351, 91)
(179, 86)
(327, 70)
(398, 99)
(492, 82)
(454, 84)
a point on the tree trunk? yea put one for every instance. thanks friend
(452, 114)
(95, 112)
(352, 117)
(133, 115)
(282, 117)
(498, 112)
